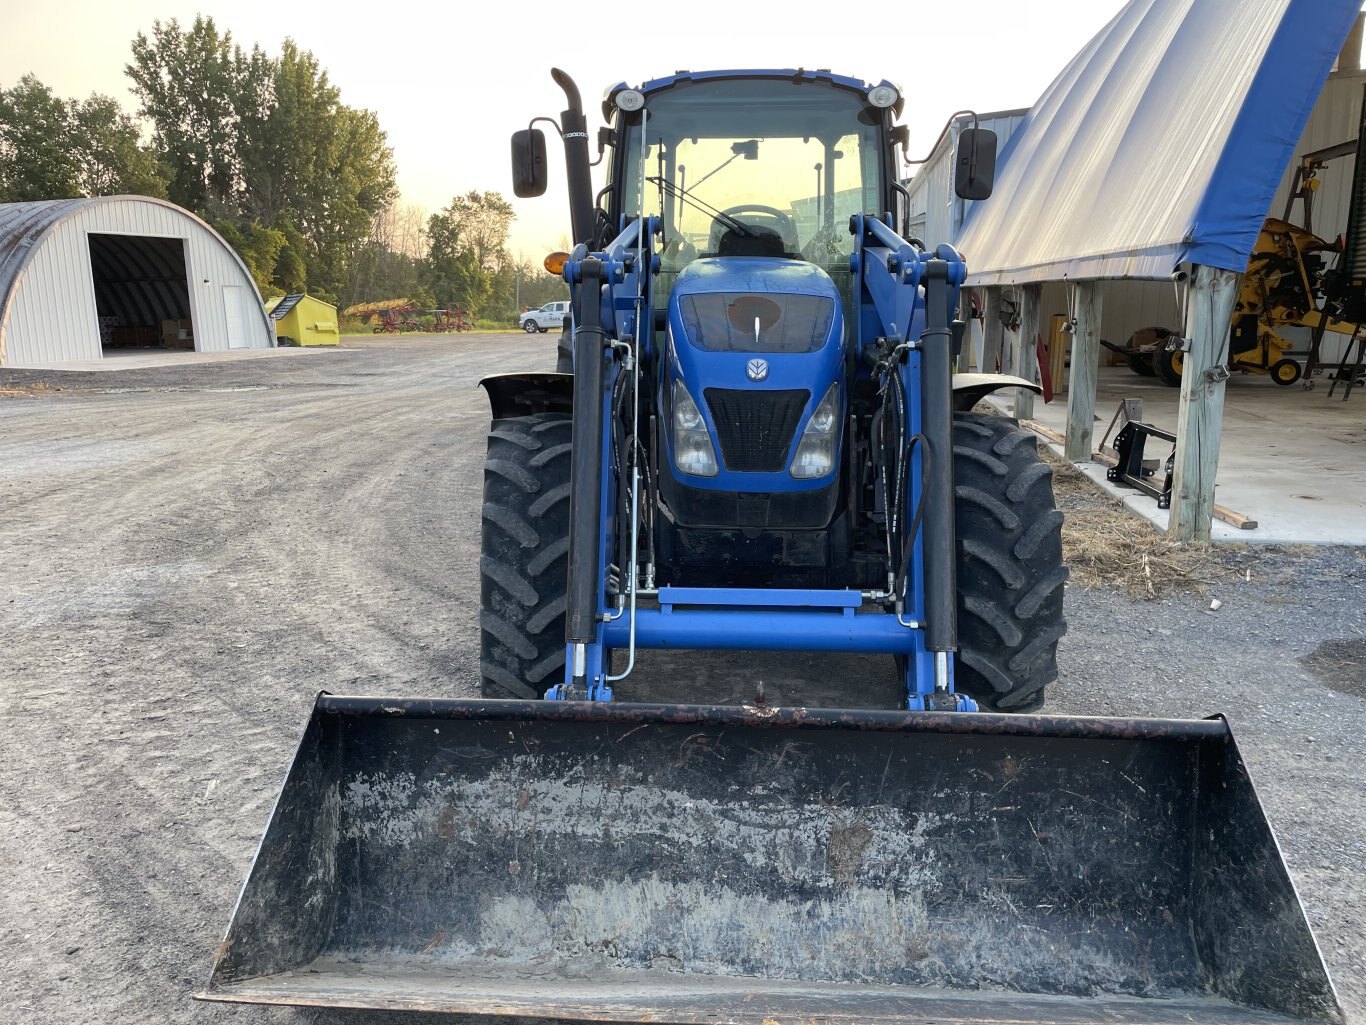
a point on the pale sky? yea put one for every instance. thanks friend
(451, 81)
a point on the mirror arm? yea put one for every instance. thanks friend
(940, 137)
(548, 120)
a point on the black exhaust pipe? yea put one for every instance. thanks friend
(574, 126)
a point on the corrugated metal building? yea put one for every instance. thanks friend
(936, 214)
(1154, 158)
(80, 275)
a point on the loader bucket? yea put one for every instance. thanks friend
(694, 864)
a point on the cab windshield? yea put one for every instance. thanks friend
(753, 167)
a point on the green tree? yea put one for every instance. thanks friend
(205, 98)
(35, 158)
(52, 148)
(291, 273)
(359, 181)
(268, 142)
(468, 247)
(110, 160)
(260, 248)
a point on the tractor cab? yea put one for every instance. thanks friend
(759, 167)
(753, 181)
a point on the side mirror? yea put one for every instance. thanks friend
(528, 163)
(974, 171)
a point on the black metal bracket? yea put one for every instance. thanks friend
(1130, 471)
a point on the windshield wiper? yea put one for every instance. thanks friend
(686, 196)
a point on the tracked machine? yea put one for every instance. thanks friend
(760, 445)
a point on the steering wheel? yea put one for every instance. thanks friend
(776, 220)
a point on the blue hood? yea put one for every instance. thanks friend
(728, 313)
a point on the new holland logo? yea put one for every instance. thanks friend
(756, 369)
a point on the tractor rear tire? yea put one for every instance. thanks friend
(524, 557)
(1010, 568)
(1167, 366)
(1140, 363)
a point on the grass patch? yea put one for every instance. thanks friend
(26, 391)
(1105, 545)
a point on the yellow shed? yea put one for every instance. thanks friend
(302, 320)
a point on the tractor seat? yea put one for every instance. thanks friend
(759, 242)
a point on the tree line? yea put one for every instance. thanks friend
(262, 147)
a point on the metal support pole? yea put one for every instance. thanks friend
(1081, 380)
(1026, 349)
(1210, 295)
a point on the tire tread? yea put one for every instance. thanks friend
(1011, 576)
(524, 560)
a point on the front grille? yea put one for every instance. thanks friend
(755, 428)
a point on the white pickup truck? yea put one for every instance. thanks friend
(549, 317)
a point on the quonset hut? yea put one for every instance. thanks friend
(79, 276)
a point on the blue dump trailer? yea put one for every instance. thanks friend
(755, 440)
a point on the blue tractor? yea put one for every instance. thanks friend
(760, 444)
(766, 432)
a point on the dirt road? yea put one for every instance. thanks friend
(189, 554)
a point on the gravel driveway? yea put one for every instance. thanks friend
(189, 554)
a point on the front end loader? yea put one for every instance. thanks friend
(762, 446)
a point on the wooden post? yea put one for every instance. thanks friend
(963, 363)
(1081, 380)
(993, 331)
(1210, 294)
(1026, 352)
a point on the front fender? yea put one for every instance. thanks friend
(528, 394)
(970, 389)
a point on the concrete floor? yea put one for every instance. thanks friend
(1293, 460)
(142, 359)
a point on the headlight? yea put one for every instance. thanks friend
(816, 452)
(883, 95)
(693, 452)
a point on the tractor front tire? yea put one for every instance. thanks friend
(1286, 372)
(1010, 568)
(524, 557)
(564, 350)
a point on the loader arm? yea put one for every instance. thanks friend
(909, 341)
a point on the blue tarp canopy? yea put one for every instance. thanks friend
(1161, 143)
